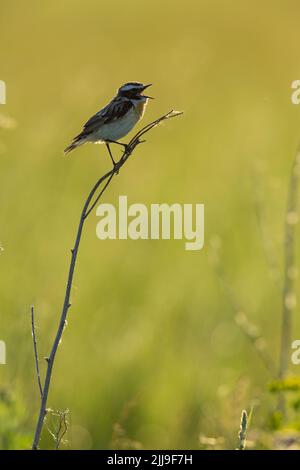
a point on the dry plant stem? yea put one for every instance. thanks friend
(243, 430)
(61, 432)
(289, 294)
(62, 428)
(87, 208)
(36, 357)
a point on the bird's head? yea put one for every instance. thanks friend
(133, 90)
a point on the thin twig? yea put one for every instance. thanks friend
(37, 365)
(99, 195)
(62, 428)
(87, 208)
(59, 432)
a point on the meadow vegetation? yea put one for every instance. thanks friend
(164, 348)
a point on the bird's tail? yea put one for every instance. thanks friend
(76, 142)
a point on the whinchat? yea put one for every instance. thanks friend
(115, 120)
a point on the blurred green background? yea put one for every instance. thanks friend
(152, 355)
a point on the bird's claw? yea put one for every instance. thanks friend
(127, 148)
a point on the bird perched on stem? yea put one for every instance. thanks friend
(115, 120)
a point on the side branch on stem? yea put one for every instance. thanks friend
(89, 205)
(36, 357)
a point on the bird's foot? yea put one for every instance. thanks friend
(116, 168)
(127, 148)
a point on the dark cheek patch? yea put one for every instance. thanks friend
(132, 94)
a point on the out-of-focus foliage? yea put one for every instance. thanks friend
(15, 432)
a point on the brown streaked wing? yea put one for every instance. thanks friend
(114, 110)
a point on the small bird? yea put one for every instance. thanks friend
(115, 120)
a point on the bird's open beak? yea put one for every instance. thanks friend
(146, 86)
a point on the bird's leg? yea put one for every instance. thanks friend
(110, 154)
(112, 158)
(119, 143)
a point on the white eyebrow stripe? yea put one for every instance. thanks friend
(131, 87)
